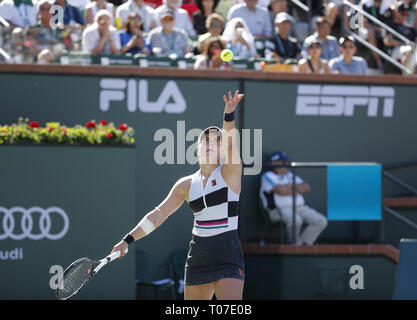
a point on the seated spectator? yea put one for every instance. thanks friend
(214, 26)
(132, 40)
(101, 37)
(239, 39)
(145, 12)
(47, 36)
(94, 6)
(347, 63)
(277, 198)
(72, 16)
(313, 63)
(302, 23)
(371, 29)
(256, 17)
(19, 13)
(167, 40)
(335, 12)
(397, 48)
(79, 4)
(207, 7)
(275, 7)
(182, 20)
(330, 46)
(282, 46)
(210, 58)
(223, 7)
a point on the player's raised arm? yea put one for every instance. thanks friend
(229, 144)
(157, 216)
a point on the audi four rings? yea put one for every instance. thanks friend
(8, 222)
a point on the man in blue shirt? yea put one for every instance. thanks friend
(347, 63)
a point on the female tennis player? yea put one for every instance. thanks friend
(215, 260)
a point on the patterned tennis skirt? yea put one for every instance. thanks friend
(214, 258)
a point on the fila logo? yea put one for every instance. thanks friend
(334, 100)
(135, 93)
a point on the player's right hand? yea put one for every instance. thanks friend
(122, 246)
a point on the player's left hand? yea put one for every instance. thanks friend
(232, 101)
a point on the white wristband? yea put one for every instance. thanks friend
(146, 225)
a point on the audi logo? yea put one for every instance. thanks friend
(7, 216)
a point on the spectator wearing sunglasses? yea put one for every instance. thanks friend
(132, 39)
(214, 25)
(347, 62)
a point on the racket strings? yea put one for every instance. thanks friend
(74, 278)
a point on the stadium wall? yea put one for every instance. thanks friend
(312, 117)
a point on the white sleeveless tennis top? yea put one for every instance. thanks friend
(215, 207)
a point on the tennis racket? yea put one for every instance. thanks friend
(76, 276)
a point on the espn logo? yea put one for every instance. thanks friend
(334, 100)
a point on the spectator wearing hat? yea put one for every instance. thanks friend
(19, 13)
(182, 19)
(347, 62)
(282, 46)
(313, 63)
(132, 39)
(207, 7)
(277, 198)
(145, 12)
(101, 37)
(397, 48)
(167, 39)
(275, 7)
(330, 46)
(256, 17)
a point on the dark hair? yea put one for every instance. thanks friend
(209, 44)
(129, 19)
(199, 4)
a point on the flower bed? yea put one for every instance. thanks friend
(92, 133)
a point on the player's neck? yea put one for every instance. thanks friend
(207, 169)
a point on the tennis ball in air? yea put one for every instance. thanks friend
(226, 55)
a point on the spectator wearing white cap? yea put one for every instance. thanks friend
(347, 63)
(19, 13)
(168, 40)
(101, 37)
(182, 19)
(282, 46)
(313, 63)
(256, 17)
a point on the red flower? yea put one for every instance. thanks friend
(110, 135)
(90, 124)
(49, 128)
(103, 122)
(123, 127)
(64, 130)
(34, 124)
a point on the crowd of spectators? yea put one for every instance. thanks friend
(319, 41)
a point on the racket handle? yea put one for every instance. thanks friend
(114, 255)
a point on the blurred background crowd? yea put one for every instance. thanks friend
(313, 36)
